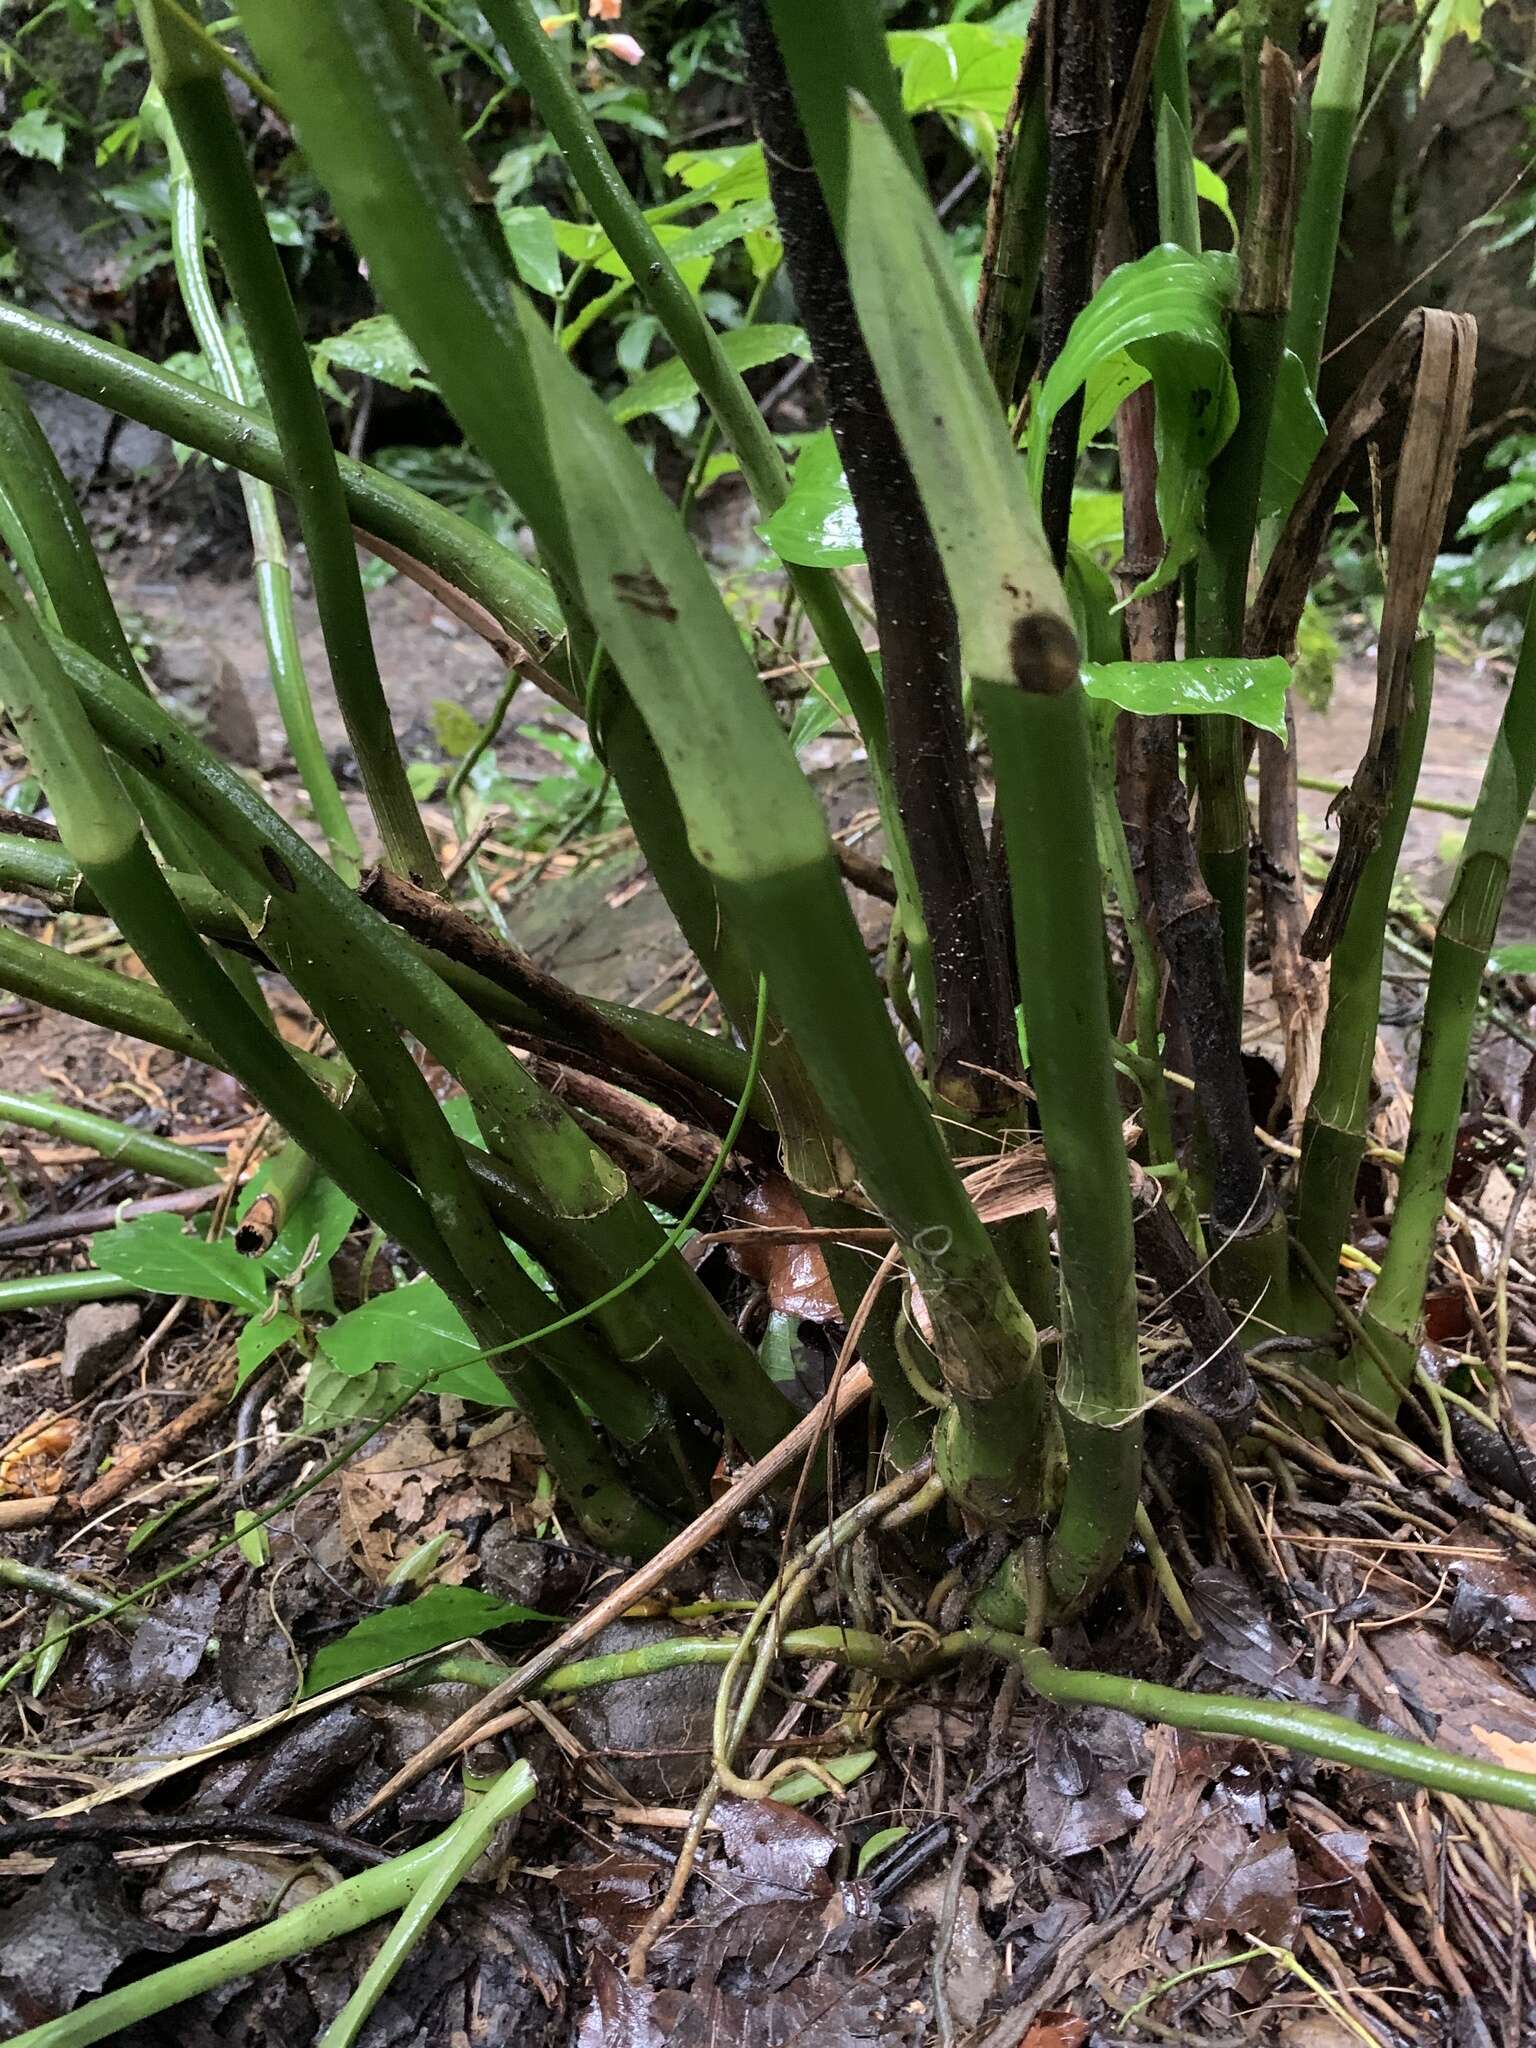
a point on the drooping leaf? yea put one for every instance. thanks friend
(376, 347)
(441, 1615)
(817, 524)
(1212, 187)
(1447, 19)
(159, 1254)
(417, 1328)
(531, 237)
(1251, 690)
(671, 383)
(1158, 318)
(1296, 432)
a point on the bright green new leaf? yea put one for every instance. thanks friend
(692, 250)
(963, 68)
(1250, 690)
(160, 1255)
(417, 1328)
(881, 1840)
(251, 1538)
(1160, 317)
(441, 1615)
(1212, 187)
(376, 347)
(535, 253)
(671, 383)
(1518, 959)
(36, 134)
(722, 177)
(817, 525)
(1447, 19)
(804, 1786)
(256, 1343)
(456, 728)
(1296, 432)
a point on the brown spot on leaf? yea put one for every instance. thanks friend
(279, 870)
(646, 593)
(1044, 655)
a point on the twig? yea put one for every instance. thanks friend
(51, 1830)
(704, 1529)
(44, 1230)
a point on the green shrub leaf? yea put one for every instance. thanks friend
(817, 524)
(535, 253)
(441, 1615)
(417, 1328)
(671, 383)
(376, 347)
(963, 68)
(1162, 318)
(1250, 690)
(160, 1255)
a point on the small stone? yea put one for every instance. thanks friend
(543, 1576)
(95, 1337)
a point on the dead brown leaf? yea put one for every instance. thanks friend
(412, 1489)
(794, 1276)
(32, 1463)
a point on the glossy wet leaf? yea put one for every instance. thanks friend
(376, 347)
(441, 1615)
(530, 236)
(671, 384)
(1160, 318)
(159, 1254)
(817, 525)
(1251, 690)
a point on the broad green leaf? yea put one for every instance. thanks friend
(376, 347)
(816, 524)
(515, 172)
(535, 253)
(1098, 522)
(1161, 316)
(457, 729)
(441, 1615)
(692, 250)
(259, 1339)
(671, 383)
(1296, 432)
(1250, 690)
(1494, 507)
(322, 1212)
(822, 707)
(160, 1255)
(881, 1840)
(723, 177)
(1520, 959)
(964, 68)
(36, 134)
(331, 1399)
(418, 1329)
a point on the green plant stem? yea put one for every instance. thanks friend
(1463, 940)
(116, 1141)
(1442, 806)
(193, 90)
(370, 116)
(1333, 1138)
(387, 1888)
(454, 1855)
(1040, 748)
(547, 76)
(36, 1578)
(61, 1290)
(1336, 98)
(274, 580)
(512, 590)
(1308, 1729)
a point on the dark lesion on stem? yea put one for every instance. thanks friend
(919, 639)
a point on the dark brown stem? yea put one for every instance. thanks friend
(49, 1834)
(1077, 122)
(919, 643)
(1300, 988)
(1222, 1386)
(1015, 231)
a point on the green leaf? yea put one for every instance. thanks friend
(1251, 690)
(36, 134)
(722, 177)
(456, 729)
(1512, 960)
(1211, 187)
(804, 1786)
(881, 1840)
(535, 253)
(670, 383)
(964, 68)
(425, 779)
(158, 1254)
(1447, 19)
(822, 707)
(256, 1343)
(816, 524)
(163, 1517)
(692, 250)
(251, 1538)
(417, 1328)
(441, 1615)
(1160, 317)
(1296, 432)
(376, 347)
(323, 1212)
